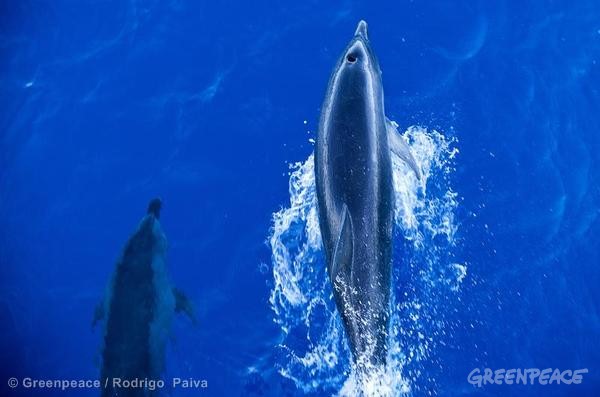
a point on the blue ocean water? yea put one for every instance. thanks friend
(213, 105)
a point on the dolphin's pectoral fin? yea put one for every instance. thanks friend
(399, 147)
(99, 314)
(184, 304)
(341, 268)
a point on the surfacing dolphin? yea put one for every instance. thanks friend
(138, 310)
(354, 185)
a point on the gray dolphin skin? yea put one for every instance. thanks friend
(353, 171)
(138, 311)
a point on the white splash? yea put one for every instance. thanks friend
(315, 352)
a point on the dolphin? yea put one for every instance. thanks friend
(138, 310)
(353, 172)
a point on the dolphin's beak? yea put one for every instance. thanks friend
(361, 30)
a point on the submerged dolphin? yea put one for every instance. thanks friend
(353, 170)
(138, 311)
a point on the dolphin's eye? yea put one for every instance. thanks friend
(351, 58)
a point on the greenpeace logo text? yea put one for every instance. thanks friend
(527, 376)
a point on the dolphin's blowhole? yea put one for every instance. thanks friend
(351, 58)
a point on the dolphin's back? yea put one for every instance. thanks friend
(130, 345)
(354, 195)
(354, 169)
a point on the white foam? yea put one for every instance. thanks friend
(316, 353)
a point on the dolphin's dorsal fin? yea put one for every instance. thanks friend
(399, 147)
(344, 250)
